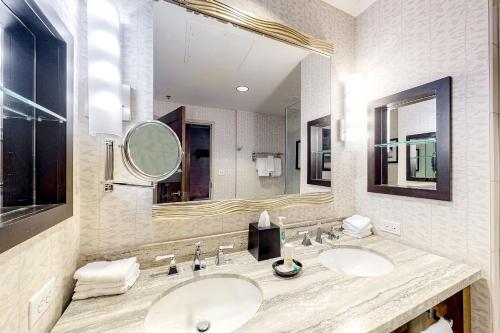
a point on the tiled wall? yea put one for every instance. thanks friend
(25, 268)
(108, 220)
(495, 151)
(315, 75)
(402, 44)
(264, 133)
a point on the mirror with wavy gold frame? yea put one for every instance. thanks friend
(239, 102)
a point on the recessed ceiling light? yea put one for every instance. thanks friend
(242, 89)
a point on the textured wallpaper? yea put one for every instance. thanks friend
(402, 44)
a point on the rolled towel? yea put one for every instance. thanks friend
(78, 295)
(442, 326)
(85, 286)
(357, 221)
(106, 271)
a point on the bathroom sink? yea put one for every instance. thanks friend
(211, 304)
(356, 262)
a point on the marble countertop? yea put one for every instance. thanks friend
(317, 300)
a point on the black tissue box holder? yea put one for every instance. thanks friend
(264, 243)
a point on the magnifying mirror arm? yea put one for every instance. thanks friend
(109, 170)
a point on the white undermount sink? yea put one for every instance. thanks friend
(356, 262)
(212, 304)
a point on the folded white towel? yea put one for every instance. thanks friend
(270, 163)
(350, 228)
(277, 167)
(357, 221)
(358, 234)
(107, 291)
(261, 165)
(106, 271)
(85, 286)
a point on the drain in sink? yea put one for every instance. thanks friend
(203, 326)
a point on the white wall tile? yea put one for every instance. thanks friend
(421, 41)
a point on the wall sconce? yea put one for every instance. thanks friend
(126, 102)
(354, 109)
(341, 129)
(105, 88)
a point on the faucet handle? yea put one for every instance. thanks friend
(165, 257)
(319, 232)
(173, 265)
(334, 234)
(305, 241)
(226, 247)
(219, 260)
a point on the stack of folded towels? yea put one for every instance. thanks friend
(103, 278)
(357, 226)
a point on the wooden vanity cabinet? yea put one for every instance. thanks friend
(456, 308)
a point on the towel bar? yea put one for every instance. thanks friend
(255, 154)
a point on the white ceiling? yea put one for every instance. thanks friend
(200, 61)
(353, 7)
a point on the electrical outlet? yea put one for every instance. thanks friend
(40, 302)
(221, 172)
(391, 227)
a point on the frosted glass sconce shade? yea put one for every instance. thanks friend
(105, 106)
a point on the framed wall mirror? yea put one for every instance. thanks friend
(409, 143)
(239, 102)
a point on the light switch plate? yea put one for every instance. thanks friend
(40, 302)
(391, 227)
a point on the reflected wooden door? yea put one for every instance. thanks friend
(174, 188)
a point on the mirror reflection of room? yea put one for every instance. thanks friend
(411, 158)
(239, 103)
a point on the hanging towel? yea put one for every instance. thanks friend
(261, 165)
(277, 167)
(106, 271)
(270, 163)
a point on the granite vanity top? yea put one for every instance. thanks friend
(317, 300)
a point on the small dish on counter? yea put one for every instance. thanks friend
(281, 270)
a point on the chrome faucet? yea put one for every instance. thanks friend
(198, 261)
(305, 241)
(220, 255)
(172, 267)
(320, 234)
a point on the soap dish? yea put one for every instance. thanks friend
(286, 274)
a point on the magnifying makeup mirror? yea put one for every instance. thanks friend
(152, 151)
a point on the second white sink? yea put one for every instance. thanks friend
(213, 304)
(356, 262)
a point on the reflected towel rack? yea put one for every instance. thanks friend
(255, 154)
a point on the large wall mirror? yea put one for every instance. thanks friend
(409, 151)
(239, 103)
